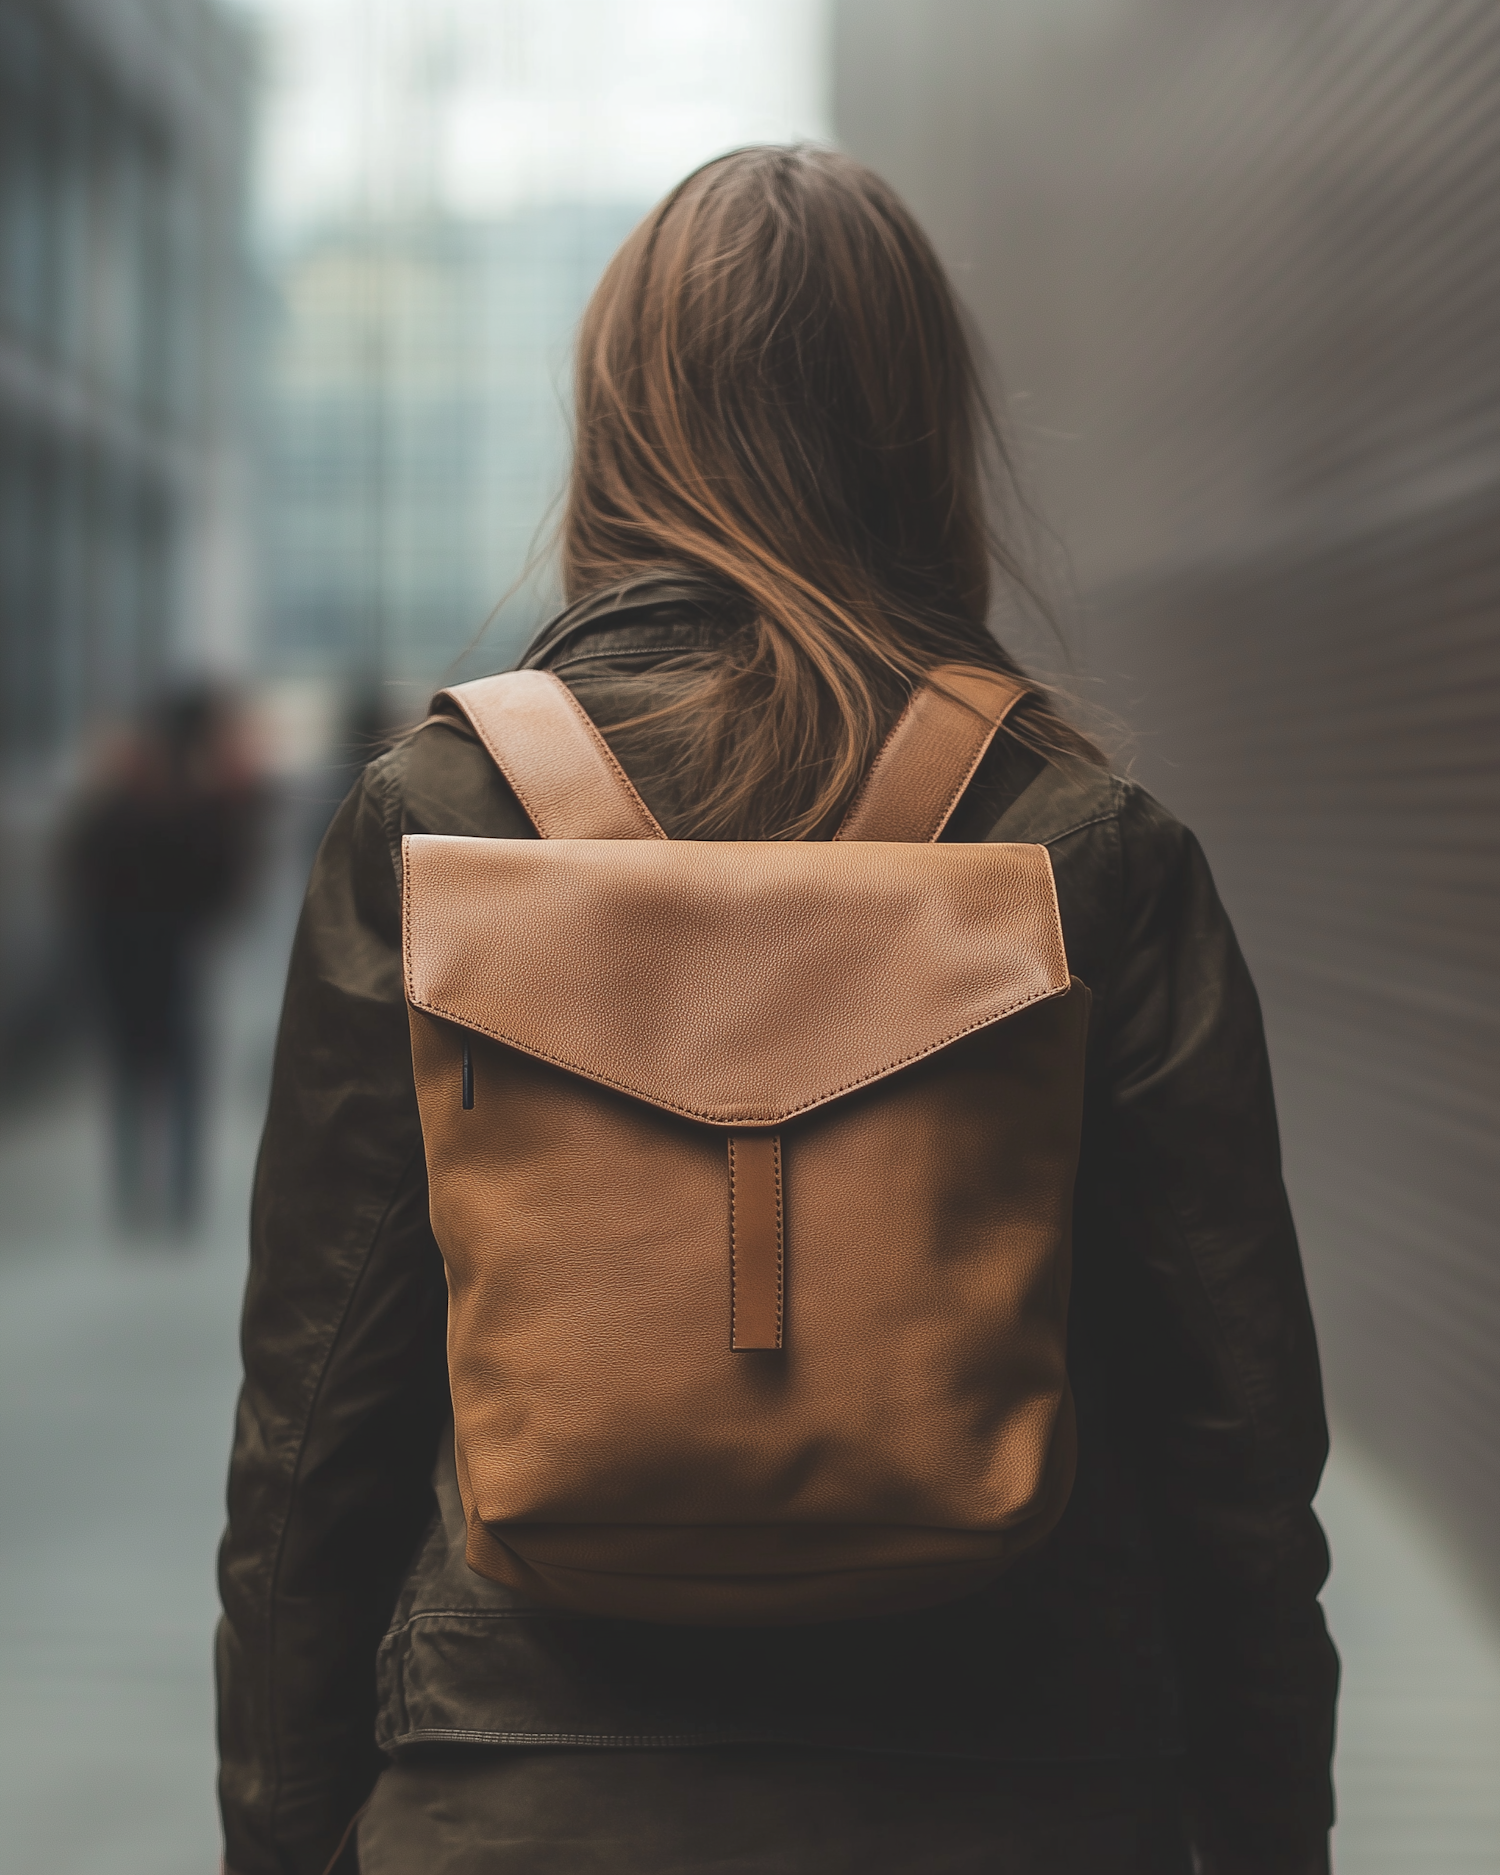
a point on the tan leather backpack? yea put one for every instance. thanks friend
(752, 1166)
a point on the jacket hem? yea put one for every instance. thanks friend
(418, 1736)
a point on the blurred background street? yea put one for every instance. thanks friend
(286, 294)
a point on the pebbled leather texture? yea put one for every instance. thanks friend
(915, 1431)
(757, 1242)
(560, 768)
(929, 758)
(737, 983)
(893, 1257)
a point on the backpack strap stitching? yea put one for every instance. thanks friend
(521, 717)
(918, 774)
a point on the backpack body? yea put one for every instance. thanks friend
(751, 1164)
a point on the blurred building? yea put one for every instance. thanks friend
(122, 126)
(1240, 265)
(416, 433)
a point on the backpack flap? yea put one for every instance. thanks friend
(739, 984)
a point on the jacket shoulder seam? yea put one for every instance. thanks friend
(1079, 826)
(398, 1628)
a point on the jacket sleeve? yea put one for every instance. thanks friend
(1225, 1360)
(345, 1389)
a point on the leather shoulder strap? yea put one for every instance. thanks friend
(929, 758)
(562, 770)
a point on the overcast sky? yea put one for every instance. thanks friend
(481, 106)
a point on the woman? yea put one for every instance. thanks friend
(775, 527)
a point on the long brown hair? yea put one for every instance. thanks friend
(775, 388)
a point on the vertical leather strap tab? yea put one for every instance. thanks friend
(756, 1237)
(562, 770)
(929, 758)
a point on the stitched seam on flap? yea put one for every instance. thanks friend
(780, 1235)
(406, 899)
(758, 1118)
(733, 1246)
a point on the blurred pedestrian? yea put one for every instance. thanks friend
(158, 850)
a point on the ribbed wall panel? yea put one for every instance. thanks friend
(1328, 724)
(1241, 263)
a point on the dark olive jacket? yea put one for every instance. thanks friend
(1174, 1610)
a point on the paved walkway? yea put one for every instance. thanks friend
(117, 1377)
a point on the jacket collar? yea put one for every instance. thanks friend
(676, 609)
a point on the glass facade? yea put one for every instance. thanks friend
(416, 433)
(439, 185)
